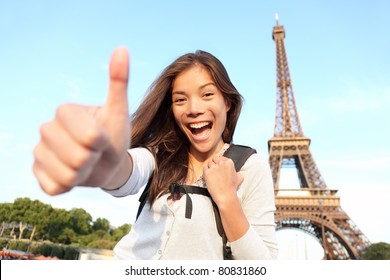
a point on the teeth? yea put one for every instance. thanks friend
(199, 125)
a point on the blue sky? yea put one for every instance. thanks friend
(51, 53)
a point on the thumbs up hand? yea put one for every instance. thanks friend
(86, 145)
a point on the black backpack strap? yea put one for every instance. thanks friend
(176, 189)
(239, 154)
(144, 197)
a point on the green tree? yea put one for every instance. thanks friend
(80, 221)
(121, 231)
(33, 213)
(101, 224)
(19, 208)
(86, 240)
(37, 214)
(67, 236)
(5, 210)
(102, 244)
(378, 251)
(101, 234)
(58, 225)
(57, 222)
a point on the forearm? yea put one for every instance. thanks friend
(121, 176)
(233, 219)
(141, 165)
(246, 241)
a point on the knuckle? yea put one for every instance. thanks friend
(48, 185)
(44, 130)
(69, 178)
(51, 189)
(81, 159)
(230, 162)
(92, 135)
(36, 152)
(35, 170)
(62, 111)
(55, 189)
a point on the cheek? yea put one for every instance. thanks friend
(176, 115)
(224, 113)
(222, 118)
(227, 106)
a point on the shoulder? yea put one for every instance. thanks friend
(257, 187)
(256, 169)
(256, 161)
(253, 160)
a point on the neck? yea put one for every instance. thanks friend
(198, 160)
(197, 157)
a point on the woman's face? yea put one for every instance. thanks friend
(199, 110)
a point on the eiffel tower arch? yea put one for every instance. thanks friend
(313, 207)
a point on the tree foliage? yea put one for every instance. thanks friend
(378, 251)
(101, 224)
(32, 219)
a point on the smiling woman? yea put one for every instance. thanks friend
(179, 136)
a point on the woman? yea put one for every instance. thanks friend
(179, 134)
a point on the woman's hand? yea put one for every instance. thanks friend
(86, 145)
(222, 180)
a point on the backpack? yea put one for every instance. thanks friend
(239, 154)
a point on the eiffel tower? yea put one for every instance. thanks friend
(313, 207)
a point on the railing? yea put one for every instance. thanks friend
(307, 197)
(305, 192)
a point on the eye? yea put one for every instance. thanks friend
(178, 100)
(208, 94)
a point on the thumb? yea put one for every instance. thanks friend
(119, 76)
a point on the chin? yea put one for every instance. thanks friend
(203, 147)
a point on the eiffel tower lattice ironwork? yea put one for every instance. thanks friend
(313, 207)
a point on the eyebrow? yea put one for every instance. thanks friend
(201, 87)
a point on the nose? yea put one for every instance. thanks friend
(194, 107)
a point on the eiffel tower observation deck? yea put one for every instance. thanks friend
(313, 207)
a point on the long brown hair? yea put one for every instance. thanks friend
(154, 126)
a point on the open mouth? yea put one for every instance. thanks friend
(200, 128)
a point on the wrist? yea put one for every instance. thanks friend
(121, 175)
(227, 201)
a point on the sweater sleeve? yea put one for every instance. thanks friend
(258, 203)
(143, 167)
